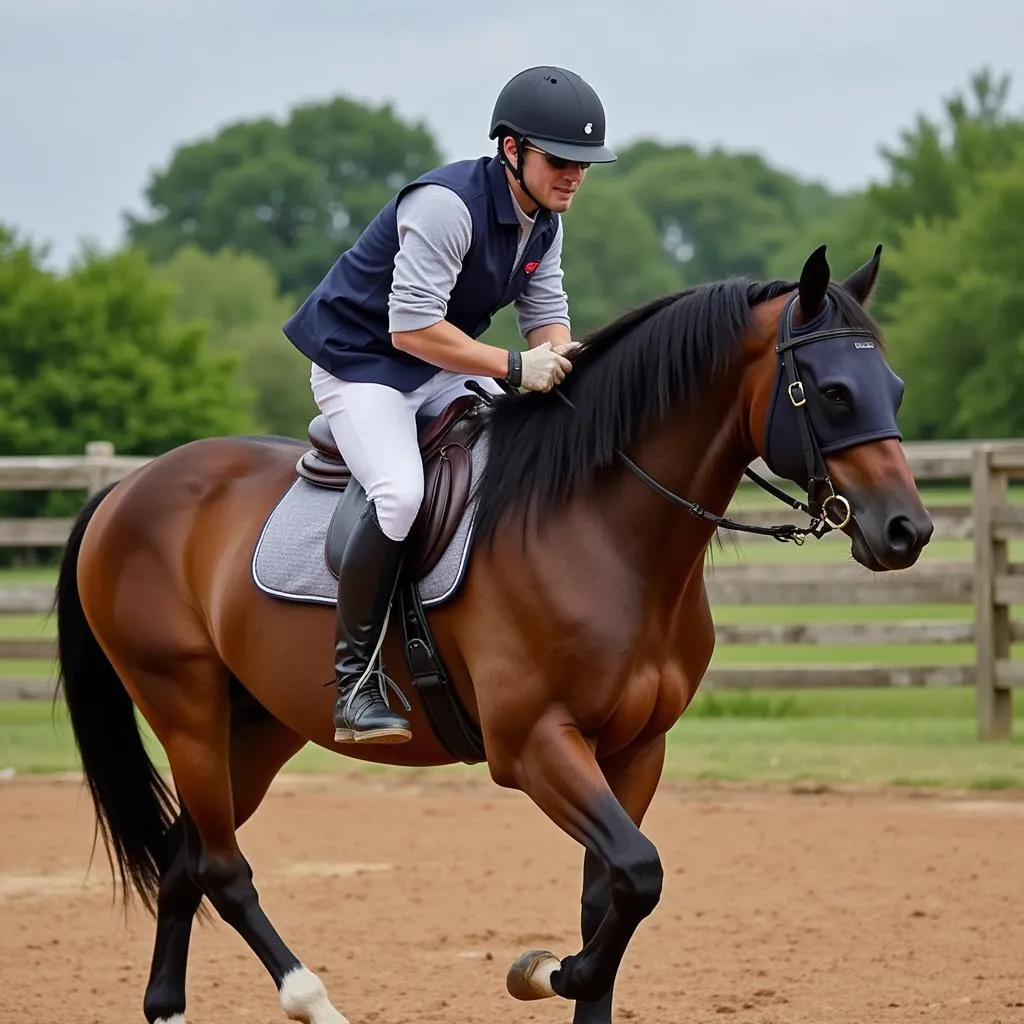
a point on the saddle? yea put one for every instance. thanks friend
(445, 443)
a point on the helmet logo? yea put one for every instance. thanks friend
(588, 127)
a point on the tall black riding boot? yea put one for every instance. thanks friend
(366, 584)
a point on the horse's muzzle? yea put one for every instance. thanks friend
(886, 539)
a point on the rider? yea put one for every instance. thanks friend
(391, 332)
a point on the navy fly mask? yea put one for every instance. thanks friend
(833, 390)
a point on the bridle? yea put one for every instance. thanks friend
(833, 512)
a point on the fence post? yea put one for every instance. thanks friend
(97, 459)
(991, 620)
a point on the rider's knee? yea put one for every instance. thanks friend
(398, 508)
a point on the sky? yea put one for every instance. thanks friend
(95, 95)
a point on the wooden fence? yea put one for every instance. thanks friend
(989, 584)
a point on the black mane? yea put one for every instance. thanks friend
(627, 375)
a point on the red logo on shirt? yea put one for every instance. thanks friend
(531, 266)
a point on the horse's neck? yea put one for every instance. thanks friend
(700, 455)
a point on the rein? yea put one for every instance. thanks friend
(822, 522)
(819, 525)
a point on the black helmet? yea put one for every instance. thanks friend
(557, 111)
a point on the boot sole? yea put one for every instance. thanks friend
(373, 736)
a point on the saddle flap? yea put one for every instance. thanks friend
(446, 483)
(434, 434)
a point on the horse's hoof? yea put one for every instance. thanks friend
(304, 998)
(530, 976)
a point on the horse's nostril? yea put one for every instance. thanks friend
(900, 534)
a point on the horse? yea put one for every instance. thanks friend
(578, 635)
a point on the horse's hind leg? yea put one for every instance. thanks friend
(258, 749)
(187, 705)
(177, 903)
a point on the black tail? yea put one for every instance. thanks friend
(134, 806)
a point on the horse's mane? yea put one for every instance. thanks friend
(626, 375)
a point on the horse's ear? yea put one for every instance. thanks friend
(861, 282)
(814, 280)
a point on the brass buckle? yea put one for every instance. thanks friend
(803, 397)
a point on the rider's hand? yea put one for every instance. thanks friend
(544, 367)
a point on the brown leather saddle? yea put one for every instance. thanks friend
(445, 443)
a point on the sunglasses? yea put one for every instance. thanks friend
(559, 163)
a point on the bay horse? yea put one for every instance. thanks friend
(578, 637)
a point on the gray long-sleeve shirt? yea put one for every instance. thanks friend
(435, 229)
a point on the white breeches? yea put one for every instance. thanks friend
(374, 427)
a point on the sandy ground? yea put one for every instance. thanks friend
(411, 896)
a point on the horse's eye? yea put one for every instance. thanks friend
(838, 394)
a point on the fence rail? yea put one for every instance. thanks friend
(989, 585)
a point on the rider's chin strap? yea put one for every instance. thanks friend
(517, 171)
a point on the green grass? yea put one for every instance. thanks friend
(775, 614)
(35, 736)
(901, 737)
(832, 549)
(905, 752)
(35, 668)
(921, 738)
(25, 627)
(844, 654)
(34, 575)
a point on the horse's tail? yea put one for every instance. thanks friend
(133, 804)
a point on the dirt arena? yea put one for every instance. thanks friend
(411, 896)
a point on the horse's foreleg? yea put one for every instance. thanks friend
(558, 771)
(258, 750)
(594, 908)
(633, 777)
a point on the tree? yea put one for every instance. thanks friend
(612, 256)
(956, 328)
(235, 296)
(295, 194)
(719, 214)
(851, 228)
(932, 167)
(612, 260)
(95, 355)
(937, 161)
